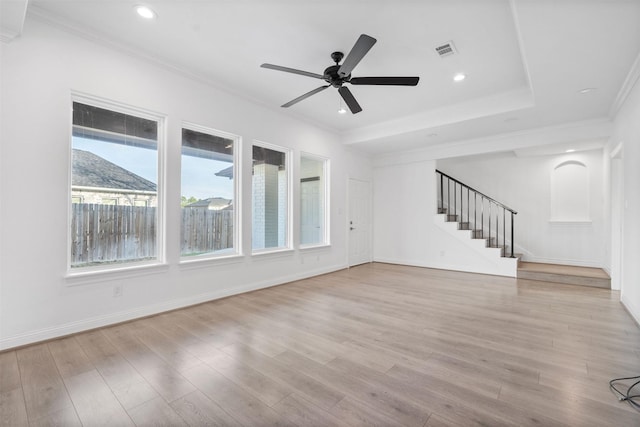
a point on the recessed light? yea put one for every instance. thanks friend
(342, 111)
(570, 150)
(145, 11)
(587, 90)
(459, 77)
(432, 135)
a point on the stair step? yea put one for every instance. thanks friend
(564, 274)
(452, 218)
(477, 234)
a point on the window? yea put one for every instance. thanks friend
(209, 208)
(270, 197)
(313, 200)
(114, 167)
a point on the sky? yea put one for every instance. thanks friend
(198, 174)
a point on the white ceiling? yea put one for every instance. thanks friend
(525, 60)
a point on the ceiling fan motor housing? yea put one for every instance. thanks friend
(331, 75)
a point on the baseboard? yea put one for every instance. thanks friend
(71, 328)
(632, 309)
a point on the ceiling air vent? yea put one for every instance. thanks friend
(446, 49)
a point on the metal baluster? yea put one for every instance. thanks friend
(475, 212)
(468, 218)
(513, 244)
(455, 199)
(489, 223)
(448, 197)
(497, 233)
(504, 233)
(482, 216)
(441, 193)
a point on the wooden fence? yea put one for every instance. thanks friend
(205, 231)
(108, 233)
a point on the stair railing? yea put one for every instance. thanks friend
(482, 212)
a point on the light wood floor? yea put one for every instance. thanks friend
(376, 345)
(564, 269)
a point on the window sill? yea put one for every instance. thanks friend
(204, 262)
(275, 253)
(96, 275)
(313, 248)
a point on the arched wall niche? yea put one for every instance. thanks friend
(570, 192)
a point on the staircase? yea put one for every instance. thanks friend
(486, 218)
(488, 226)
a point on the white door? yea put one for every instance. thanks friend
(359, 222)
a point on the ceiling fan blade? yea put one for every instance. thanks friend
(387, 81)
(359, 50)
(292, 70)
(349, 100)
(305, 96)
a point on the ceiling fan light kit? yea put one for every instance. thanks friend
(337, 75)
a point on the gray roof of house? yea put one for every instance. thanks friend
(212, 202)
(90, 170)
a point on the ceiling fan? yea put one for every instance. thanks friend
(337, 75)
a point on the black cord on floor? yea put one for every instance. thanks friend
(633, 399)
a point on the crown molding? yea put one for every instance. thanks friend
(12, 16)
(628, 85)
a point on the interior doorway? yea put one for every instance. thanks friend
(359, 222)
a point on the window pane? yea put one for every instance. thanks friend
(270, 200)
(312, 201)
(208, 214)
(113, 187)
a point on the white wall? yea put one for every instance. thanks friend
(404, 207)
(627, 132)
(39, 71)
(525, 185)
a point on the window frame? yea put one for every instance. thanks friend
(326, 231)
(288, 246)
(237, 201)
(83, 274)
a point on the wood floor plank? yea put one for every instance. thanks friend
(13, 411)
(156, 413)
(94, 402)
(127, 384)
(567, 408)
(65, 417)
(69, 357)
(381, 399)
(355, 413)
(169, 383)
(44, 391)
(198, 410)
(374, 345)
(304, 413)
(239, 404)
(9, 373)
(319, 393)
